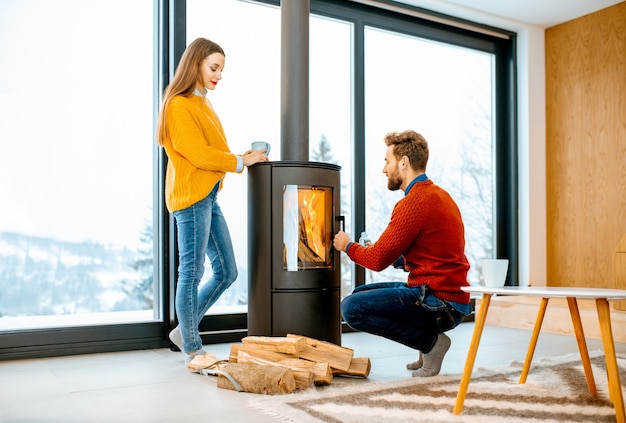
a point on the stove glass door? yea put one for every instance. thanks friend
(307, 227)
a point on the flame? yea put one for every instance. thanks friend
(312, 211)
(306, 235)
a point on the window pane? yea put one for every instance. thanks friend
(76, 168)
(330, 111)
(247, 101)
(445, 93)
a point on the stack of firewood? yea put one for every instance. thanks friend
(278, 365)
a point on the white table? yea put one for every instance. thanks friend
(572, 294)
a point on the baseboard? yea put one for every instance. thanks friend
(521, 312)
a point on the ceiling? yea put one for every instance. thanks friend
(541, 13)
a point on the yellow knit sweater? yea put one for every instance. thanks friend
(197, 150)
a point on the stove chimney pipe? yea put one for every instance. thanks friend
(294, 123)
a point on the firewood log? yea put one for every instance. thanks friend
(319, 351)
(254, 350)
(277, 343)
(359, 366)
(322, 372)
(301, 374)
(258, 379)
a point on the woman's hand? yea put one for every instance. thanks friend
(251, 157)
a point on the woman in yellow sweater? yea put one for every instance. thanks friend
(198, 159)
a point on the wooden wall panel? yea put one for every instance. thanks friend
(586, 147)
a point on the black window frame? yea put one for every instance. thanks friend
(170, 41)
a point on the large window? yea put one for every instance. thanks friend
(400, 73)
(82, 264)
(248, 103)
(76, 165)
(331, 127)
(445, 93)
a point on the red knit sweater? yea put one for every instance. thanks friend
(426, 228)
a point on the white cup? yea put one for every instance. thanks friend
(262, 145)
(494, 272)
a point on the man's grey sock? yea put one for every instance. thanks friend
(414, 365)
(434, 358)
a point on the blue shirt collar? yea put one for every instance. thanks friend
(420, 178)
(198, 93)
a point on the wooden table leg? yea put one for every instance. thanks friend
(533, 340)
(582, 345)
(471, 353)
(615, 389)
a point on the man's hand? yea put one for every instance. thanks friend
(341, 241)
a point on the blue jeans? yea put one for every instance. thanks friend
(202, 230)
(412, 316)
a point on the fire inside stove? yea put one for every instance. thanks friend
(307, 218)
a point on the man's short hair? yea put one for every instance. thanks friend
(411, 144)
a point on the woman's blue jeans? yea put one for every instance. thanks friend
(202, 231)
(412, 316)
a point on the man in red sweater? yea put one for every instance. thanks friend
(426, 231)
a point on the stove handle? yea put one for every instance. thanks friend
(342, 223)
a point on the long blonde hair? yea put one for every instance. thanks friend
(185, 77)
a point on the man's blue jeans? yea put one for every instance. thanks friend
(412, 316)
(202, 230)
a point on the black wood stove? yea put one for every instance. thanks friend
(294, 271)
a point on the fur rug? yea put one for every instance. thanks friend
(555, 391)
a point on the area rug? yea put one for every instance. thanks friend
(555, 391)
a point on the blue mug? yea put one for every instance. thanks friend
(262, 145)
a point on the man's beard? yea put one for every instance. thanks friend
(394, 181)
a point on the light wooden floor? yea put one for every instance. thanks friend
(154, 385)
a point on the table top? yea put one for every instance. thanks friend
(551, 291)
